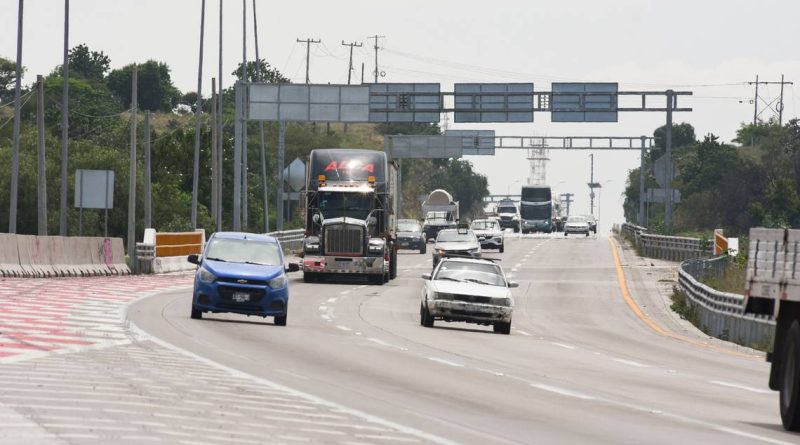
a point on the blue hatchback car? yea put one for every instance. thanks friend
(242, 273)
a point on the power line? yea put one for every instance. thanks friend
(350, 64)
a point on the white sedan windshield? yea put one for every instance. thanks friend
(471, 272)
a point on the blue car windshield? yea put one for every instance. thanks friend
(244, 251)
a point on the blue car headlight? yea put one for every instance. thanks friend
(205, 276)
(278, 282)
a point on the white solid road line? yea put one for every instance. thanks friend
(631, 363)
(742, 387)
(445, 362)
(563, 345)
(561, 391)
(343, 328)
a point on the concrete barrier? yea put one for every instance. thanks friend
(115, 256)
(28, 256)
(9, 256)
(169, 250)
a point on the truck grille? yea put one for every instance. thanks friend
(344, 240)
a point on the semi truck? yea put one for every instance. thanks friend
(440, 212)
(350, 215)
(772, 289)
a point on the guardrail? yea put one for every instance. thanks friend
(671, 248)
(721, 314)
(291, 240)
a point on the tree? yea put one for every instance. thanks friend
(155, 89)
(91, 65)
(8, 78)
(261, 71)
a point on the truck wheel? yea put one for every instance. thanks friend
(516, 229)
(790, 379)
(425, 318)
(502, 247)
(197, 314)
(423, 249)
(502, 327)
(280, 320)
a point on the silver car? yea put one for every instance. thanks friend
(489, 234)
(577, 225)
(461, 241)
(468, 290)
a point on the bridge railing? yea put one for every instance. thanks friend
(291, 240)
(721, 314)
(672, 248)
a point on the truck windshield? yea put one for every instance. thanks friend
(508, 209)
(352, 205)
(441, 216)
(484, 225)
(408, 227)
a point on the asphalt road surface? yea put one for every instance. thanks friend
(593, 357)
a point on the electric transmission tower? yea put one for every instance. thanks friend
(538, 155)
(763, 103)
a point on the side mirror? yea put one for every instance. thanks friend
(316, 218)
(194, 259)
(371, 221)
(293, 267)
(426, 276)
(513, 284)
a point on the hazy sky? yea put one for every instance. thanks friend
(709, 47)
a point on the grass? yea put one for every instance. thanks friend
(731, 280)
(680, 305)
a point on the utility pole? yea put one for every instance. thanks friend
(261, 129)
(567, 197)
(12, 213)
(279, 168)
(214, 165)
(640, 219)
(148, 183)
(362, 73)
(237, 158)
(62, 216)
(668, 180)
(132, 173)
(350, 65)
(42, 166)
(768, 102)
(308, 43)
(591, 183)
(376, 38)
(198, 113)
(220, 127)
(244, 121)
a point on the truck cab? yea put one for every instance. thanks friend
(350, 215)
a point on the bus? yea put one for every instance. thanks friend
(536, 209)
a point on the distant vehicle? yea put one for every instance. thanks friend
(468, 290)
(242, 273)
(592, 222)
(536, 209)
(576, 225)
(489, 234)
(508, 212)
(441, 212)
(410, 235)
(772, 290)
(350, 219)
(461, 241)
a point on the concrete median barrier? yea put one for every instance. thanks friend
(9, 256)
(114, 256)
(29, 256)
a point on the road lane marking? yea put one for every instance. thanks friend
(343, 328)
(623, 286)
(561, 391)
(631, 363)
(523, 333)
(332, 300)
(565, 346)
(751, 436)
(323, 308)
(388, 345)
(742, 387)
(445, 362)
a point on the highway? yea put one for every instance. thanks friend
(591, 358)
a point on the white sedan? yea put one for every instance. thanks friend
(468, 290)
(489, 234)
(577, 224)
